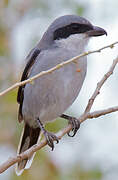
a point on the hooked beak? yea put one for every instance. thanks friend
(96, 31)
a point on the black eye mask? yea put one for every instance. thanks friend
(73, 28)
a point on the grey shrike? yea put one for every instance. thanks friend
(52, 94)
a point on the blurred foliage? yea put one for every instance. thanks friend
(4, 42)
(12, 12)
(45, 169)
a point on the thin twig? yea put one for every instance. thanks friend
(86, 115)
(96, 114)
(16, 85)
(11, 161)
(102, 112)
(99, 85)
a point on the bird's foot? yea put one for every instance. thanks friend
(50, 137)
(75, 123)
(75, 126)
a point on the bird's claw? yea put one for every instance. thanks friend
(75, 126)
(50, 137)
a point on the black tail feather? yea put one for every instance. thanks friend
(29, 138)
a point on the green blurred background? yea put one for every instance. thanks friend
(92, 154)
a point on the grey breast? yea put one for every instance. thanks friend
(49, 96)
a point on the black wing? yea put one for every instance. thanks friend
(20, 96)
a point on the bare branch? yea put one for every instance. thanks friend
(99, 85)
(11, 161)
(99, 113)
(16, 85)
(96, 114)
(86, 115)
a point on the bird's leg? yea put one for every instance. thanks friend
(50, 137)
(74, 122)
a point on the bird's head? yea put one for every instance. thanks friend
(71, 30)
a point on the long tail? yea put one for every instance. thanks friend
(29, 137)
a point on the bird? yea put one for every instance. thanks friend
(49, 96)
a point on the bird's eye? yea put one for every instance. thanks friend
(75, 26)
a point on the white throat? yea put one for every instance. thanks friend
(74, 42)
